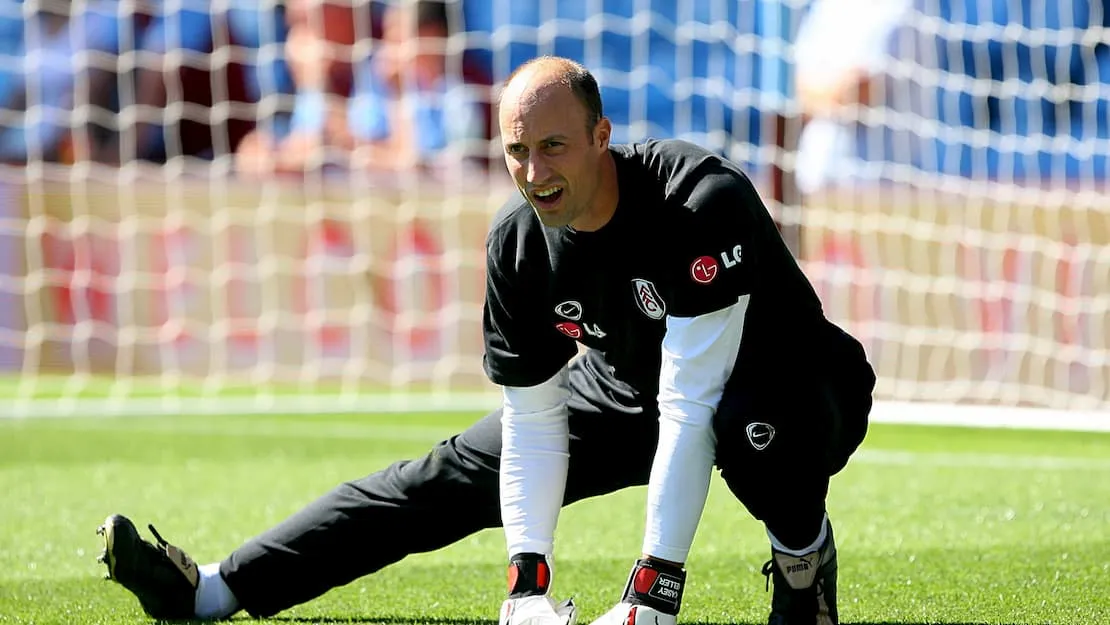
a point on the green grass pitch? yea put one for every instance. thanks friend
(934, 525)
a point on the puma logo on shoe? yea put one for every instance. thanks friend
(800, 566)
(798, 571)
(184, 563)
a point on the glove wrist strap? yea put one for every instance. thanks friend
(657, 585)
(529, 575)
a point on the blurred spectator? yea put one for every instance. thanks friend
(40, 44)
(59, 57)
(1006, 90)
(416, 102)
(409, 105)
(91, 80)
(841, 57)
(40, 77)
(178, 39)
(318, 51)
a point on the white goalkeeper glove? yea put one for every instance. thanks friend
(628, 614)
(538, 611)
(652, 596)
(528, 603)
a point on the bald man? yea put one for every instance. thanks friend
(705, 346)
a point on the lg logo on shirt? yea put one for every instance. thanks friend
(705, 268)
(574, 331)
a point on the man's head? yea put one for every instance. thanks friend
(556, 143)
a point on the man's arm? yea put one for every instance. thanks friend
(535, 453)
(529, 362)
(699, 354)
(535, 441)
(707, 281)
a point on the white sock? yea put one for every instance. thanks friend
(821, 536)
(214, 599)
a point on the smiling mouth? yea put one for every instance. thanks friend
(547, 198)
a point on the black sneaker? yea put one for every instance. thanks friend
(162, 577)
(805, 586)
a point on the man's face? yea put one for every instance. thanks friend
(554, 160)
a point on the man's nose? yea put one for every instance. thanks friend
(537, 169)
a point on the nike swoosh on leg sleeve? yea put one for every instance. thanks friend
(699, 354)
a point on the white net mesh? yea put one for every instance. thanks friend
(958, 219)
(240, 206)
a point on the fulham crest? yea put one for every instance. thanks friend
(647, 298)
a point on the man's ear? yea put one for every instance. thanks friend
(603, 132)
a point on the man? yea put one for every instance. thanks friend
(405, 109)
(843, 55)
(706, 345)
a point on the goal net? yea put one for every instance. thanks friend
(226, 207)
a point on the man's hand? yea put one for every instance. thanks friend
(652, 596)
(528, 603)
(538, 610)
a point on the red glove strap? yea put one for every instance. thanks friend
(529, 575)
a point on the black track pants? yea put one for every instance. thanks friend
(424, 504)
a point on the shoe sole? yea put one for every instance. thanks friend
(108, 532)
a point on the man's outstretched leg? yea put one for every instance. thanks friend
(361, 526)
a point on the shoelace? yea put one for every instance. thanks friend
(768, 567)
(161, 541)
(185, 565)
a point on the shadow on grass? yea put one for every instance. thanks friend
(397, 620)
(383, 620)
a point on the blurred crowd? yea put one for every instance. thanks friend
(1008, 90)
(999, 89)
